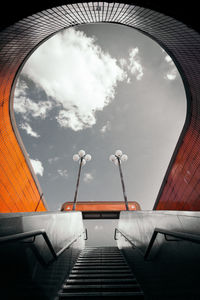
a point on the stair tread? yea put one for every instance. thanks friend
(95, 253)
(103, 286)
(100, 267)
(101, 280)
(90, 266)
(100, 251)
(101, 275)
(102, 258)
(124, 293)
(100, 271)
(100, 263)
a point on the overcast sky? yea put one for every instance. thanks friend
(100, 88)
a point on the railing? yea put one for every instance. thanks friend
(127, 239)
(32, 234)
(178, 235)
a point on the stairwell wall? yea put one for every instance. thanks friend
(20, 267)
(171, 271)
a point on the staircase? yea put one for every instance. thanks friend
(101, 273)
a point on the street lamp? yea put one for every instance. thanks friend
(82, 157)
(117, 158)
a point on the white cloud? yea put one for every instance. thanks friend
(134, 65)
(37, 166)
(27, 107)
(172, 74)
(74, 120)
(123, 62)
(73, 70)
(63, 173)
(29, 130)
(106, 127)
(88, 177)
(21, 88)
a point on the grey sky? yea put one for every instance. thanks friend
(130, 98)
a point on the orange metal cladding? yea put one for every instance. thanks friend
(18, 190)
(181, 191)
(101, 206)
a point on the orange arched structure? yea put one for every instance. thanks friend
(19, 189)
(24, 29)
(101, 206)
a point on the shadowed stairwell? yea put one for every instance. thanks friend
(101, 273)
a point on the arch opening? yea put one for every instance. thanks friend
(100, 87)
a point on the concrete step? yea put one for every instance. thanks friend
(101, 287)
(100, 252)
(101, 281)
(101, 267)
(107, 260)
(101, 275)
(100, 264)
(101, 248)
(101, 257)
(102, 271)
(100, 295)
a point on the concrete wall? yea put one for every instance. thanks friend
(172, 270)
(20, 267)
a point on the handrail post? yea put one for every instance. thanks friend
(49, 244)
(86, 235)
(115, 234)
(154, 235)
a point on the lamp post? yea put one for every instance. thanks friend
(82, 157)
(117, 158)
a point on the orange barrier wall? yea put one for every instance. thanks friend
(101, 206)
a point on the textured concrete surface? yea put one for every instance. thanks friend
(172, 270)
(22, 274)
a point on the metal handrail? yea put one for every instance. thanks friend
(180, 235)
(25, 235)
(126, 238)
(115, 237)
